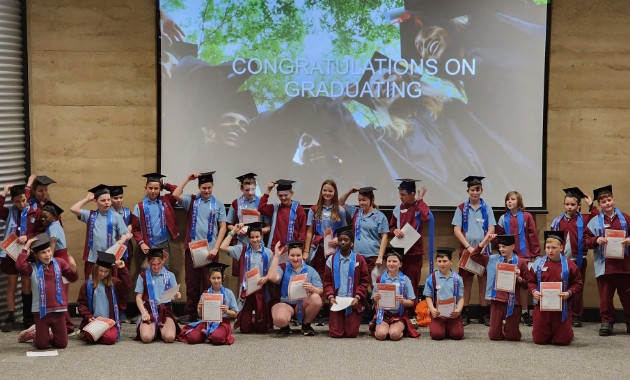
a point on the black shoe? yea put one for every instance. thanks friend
(485, 320)
(286, 330)
(527, 319)
(576, 322)
(605, 329)
(7, 325)
(307, 330)
(185, 319)
(294, 322)
(465, 317)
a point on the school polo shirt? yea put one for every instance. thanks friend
(373, 226)
(201, 229)
(312, 277)
(446, 286)
(475, 233)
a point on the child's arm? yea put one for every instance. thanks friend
(273, 274)
(476, 255)
(532, 283)
(575, 280)
(22, 265)
(381, 250)
(457, 231)
(329, 288)
(146, 317)
(307, 242)
(4, 212)
(532, 238)
(421, 205)
(76, 208)
(29, 186)
(69, 269)
(522, 274)
(123, 286)
(219, 241)
(225, 244)
(263, 207)
(344, 197)
(179, 190)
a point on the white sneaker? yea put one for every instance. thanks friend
(26, 335)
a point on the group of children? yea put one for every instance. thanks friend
(336, 252)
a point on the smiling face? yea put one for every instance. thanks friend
(156, 264)
(365, 202)
(474, 192)
(506, 250)
(45, 256)
(393, 264)
(255, 237)
(205, 189)
(295, 257)
(47, 218)
(117, 201)
(285, 197)
(216, 279)
(328, 193)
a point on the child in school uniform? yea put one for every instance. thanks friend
(157, 320)
(473, 219)
(414, 211)
(322, 216)
(554, 326)
(515, 221)
(505, 307)
(304, 310)
(346, 275)
(247, 200)
(49, 306)
(611, 274)
(24, 221)
(394, 323)
(254, 314)
(443, 285)
(288, 219)
(154, 223)
(117, 194)
(205, 221)
(104, 226)
(37, 189)
(215, 333)
(98, 296)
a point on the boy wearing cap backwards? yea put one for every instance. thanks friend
(445, 285)
(104, 226)
(154, 223)
(46, 278)
(414, 211)
(394, 323)
(117, 194)
(254, 315)
(573, 224)
(288, 219)
(205, 220)
(553, 326)
(99, 294)
(473, 220)
(346, 275)
(25, 221)
(304, 310)
(611, 274)
(505, 307)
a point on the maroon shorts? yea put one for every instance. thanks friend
(7, 266)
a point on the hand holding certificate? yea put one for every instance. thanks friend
(12, 247)
(253, 276)
(98, 327)
(410, 238)
(211, 307)
(170, 294)
(117, 250)
(199, 251)
(250, 216)
(446, 307)
(341, 303)
(550, 299)
(614, 247)
(328, 237)
(388, 296)
(296, 287)
(470, 265)
(506, 277)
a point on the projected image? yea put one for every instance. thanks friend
(363, 92)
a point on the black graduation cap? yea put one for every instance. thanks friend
(472, 180)
(153, 177)
(505, 239)
(255, 226)
(44, 180)
(155, 252)
(368, 190)
(395, 251)
(558, 235)
(217, 267)
(99, 190)
(52, 208)
(345, 230)
(284, 184)
(295, 244)
(205, 177)
(448, 251)
(605, 190)
(574, 192)
(408, 184)
(116, 190)
(106, 260)
(42, 242)
(17, 190)
(243, 177)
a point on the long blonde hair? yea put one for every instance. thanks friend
(107, 281)
(334, 215)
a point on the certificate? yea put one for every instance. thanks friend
(199, 251)
(407, 241)
(252, 276)
(328, 237)
(470, 265)
(169, 294)
(550, 300)
(296, 287)
(211, 307)
(98, 327)
(446, 307)
(506, 277)
(250, 215)
(342, 303)
(388, 296)
(12, 247)
(614, 249)
(117, 250)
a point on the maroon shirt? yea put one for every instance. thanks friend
(521, 279)
(282, 221)
(613, 266)
(122, 285)
(532, 244)
(408, 215)
(569, 226)
(34, 225)
(554, 274)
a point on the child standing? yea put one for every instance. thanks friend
(473, 220)
(346, 275)
(288, 219)
(554, 326)
(49, 306)
(117, 194)
(206, 221)
(573, 225)
(521, 224)
(445, 285)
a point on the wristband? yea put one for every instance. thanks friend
(231, 233)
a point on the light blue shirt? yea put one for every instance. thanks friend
(159, 283)
(344, 266)
(235, 252)
(100, 302)
(312, 277)
(373, 226)
(230, 300)
(201, 229)
(56, 231)
(156, 223)
(445, 285)
(100, 231)
(475, 233)
(232, 218)
(409, 291)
